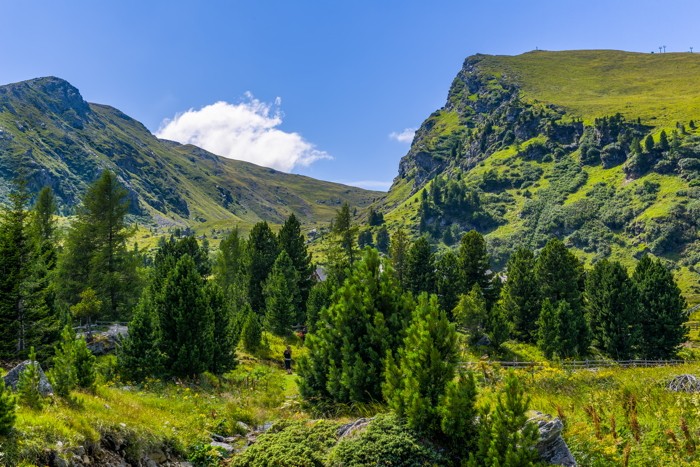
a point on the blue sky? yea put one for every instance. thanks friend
(310, 87)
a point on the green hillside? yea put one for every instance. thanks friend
(565, 144)
(51, 136)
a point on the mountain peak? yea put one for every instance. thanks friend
(48, 94)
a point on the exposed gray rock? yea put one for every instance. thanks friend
(12, 378)
(684, 383)
(350, 428)
(225, 446)
(551, 446)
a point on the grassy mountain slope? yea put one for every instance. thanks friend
(53, 137)
(565, 144)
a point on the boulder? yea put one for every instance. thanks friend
(551, 446)
(684, 383)
(352, 427)
(12, 378)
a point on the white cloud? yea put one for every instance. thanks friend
(246, 131)
(405, 136)
(370, 184)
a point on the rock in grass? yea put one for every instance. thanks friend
(12, 378)
(684, 383)
(551, 446)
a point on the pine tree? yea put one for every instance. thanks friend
(447, 282)
(225, 334)
(319, 298)
(7, 409)
(521, 294)
(364, 238)
(506, 439)
(613, 309)
(561, 278)
(262, 253)
(662, 310)
(282, 297)
(663, 141)
(252, 332)
(345, 233)
(457, 409)
(498, 325)
(382, 240)
(63, 376)
(28, 384)
(425, 365)
(185, 321)
(88, 308)
(366, 319)
(420, 267)
(292, 241)
(471, 313)
(84, 365)
(548, 329)
(96, 254)
(139, 355)
(398, 253)
(230, 264)
(473, 260)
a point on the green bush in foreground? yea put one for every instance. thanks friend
(7, 409)
(28, 384)
(292, 444)
(386, 441)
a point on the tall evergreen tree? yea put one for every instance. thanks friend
(345, 233)
(63, 376)
(471, 312)
(549, 329)
(186, 321)
(366, 319)
(319, 298)
(398, 252)
(291, 240)
(262, 253)
(96, 253)
(382, 240)
(447, 282)
(282, 297)
(520, 294)
(474, 261)
(7, 409)
(613, 309)
(424, 366)
(662, 310)
(139, 355)
(225, 333)
(561, 278)
(230, 264)
(420, 267)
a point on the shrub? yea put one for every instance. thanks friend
(28, 384)
(386, 441)
(7, 409)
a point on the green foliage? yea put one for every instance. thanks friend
(386, 441)
(613, 309)
(425, 365)
(382, 240)
(319, 298)
(447, 281)
(364, 321)
(375, 218)
(292, 241)
(398, 253)
(420, 268)
(28, 384)
(471, 312)
(88, 307)
(662, 310)
(282, 297)
(499, 325)
(296, 444)
(549, 329)
(457, 409)
(7, 409)
(252, 332)
(504, 436)
(263, 250)
(85, 372)
(474, 262)
(345, 234)
(364, 238)
(95, 253)
(225, 332)
(230, 263)
(521, 295)
(139, 355)
(63, 374)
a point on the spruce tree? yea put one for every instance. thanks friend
(7, 409)
(424, 366)
(662, 310)
(613, 309)
(282, 297)
(457, 409)
(548, 329)
(498, 325)
(365, 320)
(382, 240)
(85, 373)
(225, 332)
(560, 276)
(521, 294)
(230, 264)
(262, 253)
(398, 252)
(252, 332)
(291, 240)
(319, 298)
(364, 238)
(186, 321)
(420, 267)
(474, 261)
(471, 313)
(663, 141)
(345, 233)
(447, 282)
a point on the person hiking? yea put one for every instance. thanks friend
(288, 360)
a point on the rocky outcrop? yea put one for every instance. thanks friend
(684, 383)
(12, 378)
(349, 428)
(551, 446)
